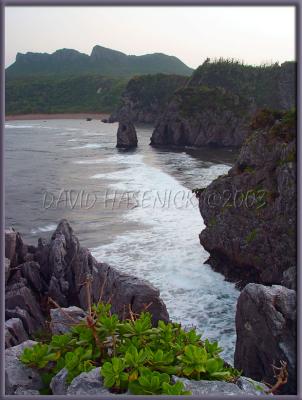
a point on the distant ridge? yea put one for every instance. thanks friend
(102, 61)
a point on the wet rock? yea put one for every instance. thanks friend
(126, 135)
(266, 333)
(58, 384)
(17, 375)
(63, 319)
(88, 384)
(14, 332)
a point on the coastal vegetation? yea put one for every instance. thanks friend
(133, 355)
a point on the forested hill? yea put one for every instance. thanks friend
(101, 61)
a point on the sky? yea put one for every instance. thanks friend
(255, 35)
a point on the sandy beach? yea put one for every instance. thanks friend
(23, 117)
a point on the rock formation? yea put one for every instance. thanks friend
(250, 213)
(215, 106)
(59, 270)
(266, 333)
(145, 97)
(126, 134)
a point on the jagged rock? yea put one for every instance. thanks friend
(14, 332)
(250, 213)
(58, 384)
(124, 290)
(19, 297)
(88, 384)
(6, 269)
(17, 375)
(59, 271)
(63, 319)
(30, 270)
(266, 333)
(126, 134)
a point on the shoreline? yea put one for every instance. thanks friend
(25, 117)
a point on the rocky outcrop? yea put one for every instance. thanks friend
(14, 332)
(145, 97)
(62, 319)
(250, 213)
(126, 135)
(266, 333)
(215, 107)
(64, 273)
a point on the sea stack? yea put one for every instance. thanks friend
(126, 135)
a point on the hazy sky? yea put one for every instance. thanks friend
(252, 34)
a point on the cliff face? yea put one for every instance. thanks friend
(216, 105)
(250, 214)
(146, 96)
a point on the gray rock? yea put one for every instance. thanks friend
(252, 387)
(20, 296)
(266, 333)
(17, 375)
(290, 278)
(6, 269)
(63, 319)
(58, 383)
(123, 290)
(88, 384)
(201, 388)
(14, 332)
(30, 270)
(10, 244)
(126, 134)
(27, 392)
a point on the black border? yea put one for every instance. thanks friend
(214, 3)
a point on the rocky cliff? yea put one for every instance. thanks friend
(58, 272)
(250, 213)
(216, 105)
(145, 97)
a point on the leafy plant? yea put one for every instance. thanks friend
(133, 354)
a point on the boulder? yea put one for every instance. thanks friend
(17, 375)
(266, 333)
(126, 134)
(14, 332)
(63, 319)
(27, 392)
(58, 384)
(243, 387)
(88, 384)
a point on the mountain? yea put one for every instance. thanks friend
(102, 61)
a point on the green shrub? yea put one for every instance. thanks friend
(132, 354)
